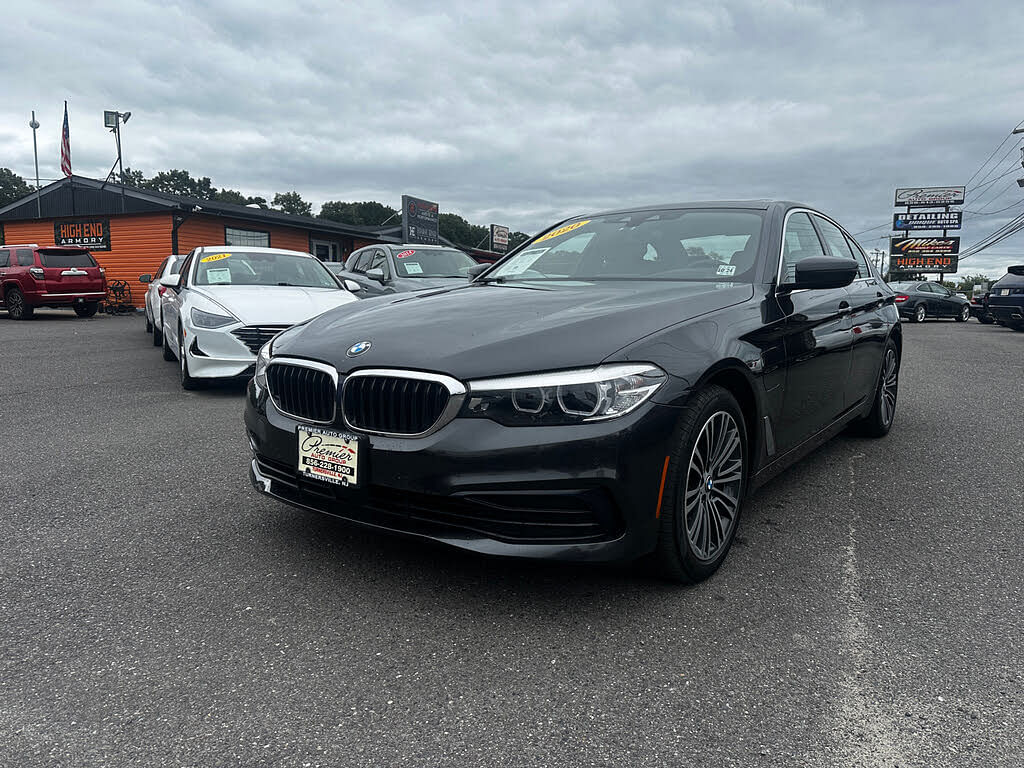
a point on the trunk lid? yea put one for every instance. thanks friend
(70, 270)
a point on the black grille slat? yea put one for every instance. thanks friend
(307, 393)
(394, 404)
(255, 336)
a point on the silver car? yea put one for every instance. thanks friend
(155, 293)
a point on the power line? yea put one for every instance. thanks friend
(990, 157)
(999, 162)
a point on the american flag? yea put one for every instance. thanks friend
(65, 145)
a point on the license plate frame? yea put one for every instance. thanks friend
(329, 456)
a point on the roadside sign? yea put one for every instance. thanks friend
(930, 197)
(93, 234)
(499, 238)
(924, 246)
(419, 221)
(940, 264)
(904, 222)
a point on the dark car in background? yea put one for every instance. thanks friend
(381, 269)
(979, 309)
(1006, 299)
(613, 388)
(59, 277)
(920, 300)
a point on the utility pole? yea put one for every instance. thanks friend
(34, 125)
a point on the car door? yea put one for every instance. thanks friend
(947, 299)
(816, 338)
(172, 301)
(153, 292)
(931, 299)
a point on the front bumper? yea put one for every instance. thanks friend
(217, 354)
(582, 492)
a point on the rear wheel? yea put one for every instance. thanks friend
(920, 313)
(706, 481)
(149, 323)
(879, 421)
(17, 307)
(87, 310)
(965, 314)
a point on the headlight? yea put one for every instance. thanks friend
(262, 360)
(202, 319)
(565, 397)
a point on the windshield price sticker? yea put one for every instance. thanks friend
(329, 456)
(413, 268)
(215, 276)
(215, 257)
(562, 230)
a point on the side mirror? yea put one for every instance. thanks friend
(170, 281)
(479, 269)
(376, 274)
(353, 286)
(146, 278)
(820, 272)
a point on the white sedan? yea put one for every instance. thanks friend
(227, 302)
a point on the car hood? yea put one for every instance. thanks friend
(421, 283)
(275, 304)
(489, 329)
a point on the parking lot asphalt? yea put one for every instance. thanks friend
(157, 612)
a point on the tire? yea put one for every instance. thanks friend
(965, 314)
(87, 310)
(149, 323)
(880, 419)
(985, 319)
(1019, 327)
(17, 307)
(168, 354)
(158, 332)
(187, 382)
(920, 313)
(694, 539)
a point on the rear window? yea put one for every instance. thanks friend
(65, 259)
(1009, 281)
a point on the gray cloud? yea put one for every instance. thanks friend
(525, 112)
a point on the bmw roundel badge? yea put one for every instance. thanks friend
(357, 349)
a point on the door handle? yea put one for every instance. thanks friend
(844, 308)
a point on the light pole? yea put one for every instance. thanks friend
(34, 125)
(112, 119)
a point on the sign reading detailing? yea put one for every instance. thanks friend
(930, 197)
(499, 238)
(93, 234)
(419, 221)
(903, 222)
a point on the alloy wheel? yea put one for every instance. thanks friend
(713, 484)
(965, 313)
(920, 314)
(15, 304)
(890, 385)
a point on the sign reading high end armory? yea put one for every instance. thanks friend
(419, 221)
(924, 254)
(499, 238)
(903, 222)
(930, 197)
(93, 234)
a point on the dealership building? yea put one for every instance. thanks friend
(130, 230)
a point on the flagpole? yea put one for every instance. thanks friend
(35, 151)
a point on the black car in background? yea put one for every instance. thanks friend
(613, 388)
(918, 301)
(1006, 299)
(381, 269)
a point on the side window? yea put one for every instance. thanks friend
(5, 257)
(799, 242)
(863, 270)
(185, 268)
(925, 288)
(25, 257)
(160, 271)
(840, 246)
(359, 260)
(380, 261)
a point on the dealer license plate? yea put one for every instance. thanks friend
(329, 456)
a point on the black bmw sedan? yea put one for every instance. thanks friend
(614, 388)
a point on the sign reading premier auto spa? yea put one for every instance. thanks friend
(924, 254)
(93, 234)
(930, 197)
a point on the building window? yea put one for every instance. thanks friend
(254, 237)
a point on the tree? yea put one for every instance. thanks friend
(12, 187)
(453, 227)
(133, 178)
(966, 284)
(236, 197)
(365, 214)
(515, 239)
(292, 202)
(176, 182)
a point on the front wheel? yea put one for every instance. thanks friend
(879, 420)
(187, 381)
(965, 314)
(706, 482)
(87, 310)
(158, 332)
(920, 313)
(17, 307)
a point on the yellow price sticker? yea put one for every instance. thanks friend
(215, 257)
(562, 230)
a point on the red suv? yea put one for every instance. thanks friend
(32, 276)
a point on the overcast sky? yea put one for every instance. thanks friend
(522, 113)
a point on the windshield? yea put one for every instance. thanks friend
(432, 262)
(65, 259)
(705, 245)
(254, 268)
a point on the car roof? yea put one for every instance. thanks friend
(418, 246)
(254, 249)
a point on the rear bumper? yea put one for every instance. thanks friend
(42, 299)
(585, 492)
(1011, 313)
